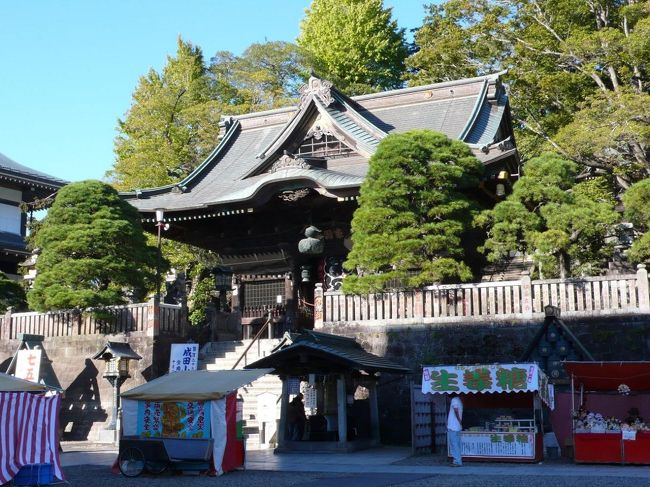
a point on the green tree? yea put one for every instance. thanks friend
(564, 226)
(267, 75)
(637, 211)
(412, 213)
(93, 251)
(12, 294)
(577, 73)
(354, 43)
(172, 125)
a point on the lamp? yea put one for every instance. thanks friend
(501, 187)
(117, 357)
(222, 283)
(160, 222)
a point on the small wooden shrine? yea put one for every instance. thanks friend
(341, 379)
(276, 196)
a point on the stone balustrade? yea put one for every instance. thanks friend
(489, 301)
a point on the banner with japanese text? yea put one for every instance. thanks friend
(183, 356)
(187, 419)
(468, 379)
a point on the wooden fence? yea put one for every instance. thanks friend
(590, 296)
(141, 317)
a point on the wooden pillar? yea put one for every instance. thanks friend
(374, 411)
(284, 409)
(342, 401)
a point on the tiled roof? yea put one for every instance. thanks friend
(471, 110)
(337, 350)
(10, 169)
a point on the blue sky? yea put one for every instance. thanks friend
(68, 67)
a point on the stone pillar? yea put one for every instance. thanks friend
(342, 402)
(5, 330)
(153, 317)
(374, 412)
(418, 304)
(284, 408)
(318, 306)
(642, 286)
(526, 295)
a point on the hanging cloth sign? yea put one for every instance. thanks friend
(491, 378)
(186, 419)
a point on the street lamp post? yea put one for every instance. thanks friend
(160, 223)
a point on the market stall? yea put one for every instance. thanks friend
(181, 419)
(503, 412)
(29, 432)
(608, 403)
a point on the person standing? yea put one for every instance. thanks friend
(296, 418)
(454, 427)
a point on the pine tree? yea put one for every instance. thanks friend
(93, 251)
(412, 213)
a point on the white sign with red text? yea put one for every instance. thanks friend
(28, 365)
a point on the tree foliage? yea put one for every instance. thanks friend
(577, 73)
(12, 294)
(267, 75)
(637, 211)
(412, 213)
(564, 226)
(93, 251)
(354, 43)
(172, 124)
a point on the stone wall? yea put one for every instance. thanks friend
(613, 338)
(87, 403)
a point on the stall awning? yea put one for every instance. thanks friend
(489, 378)
(9, 383)
(607, 376)
(194, 385)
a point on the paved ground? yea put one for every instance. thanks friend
(380, 467)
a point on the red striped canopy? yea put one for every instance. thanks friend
(28, 432)
(607, 376)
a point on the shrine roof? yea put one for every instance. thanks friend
(242, 164)
(10, 170)
(311, 350)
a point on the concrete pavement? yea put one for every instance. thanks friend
(389, 460)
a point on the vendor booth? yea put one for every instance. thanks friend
(186, 420)
(29, 432)
(502, 408)
(608, 403)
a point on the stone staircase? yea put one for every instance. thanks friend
(222, 355)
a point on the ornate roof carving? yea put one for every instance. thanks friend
(320, 88)
(288, 161)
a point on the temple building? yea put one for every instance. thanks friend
(19, 184)
(276, 196)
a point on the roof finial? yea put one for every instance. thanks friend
(317, 87)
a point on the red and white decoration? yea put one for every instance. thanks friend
(28, 432)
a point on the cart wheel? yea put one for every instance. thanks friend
(156, 468)
(131, 462)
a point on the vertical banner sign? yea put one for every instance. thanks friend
(173, 419)
(183, 356)
(28, 365)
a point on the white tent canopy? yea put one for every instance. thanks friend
(9, 383)
(194, 385)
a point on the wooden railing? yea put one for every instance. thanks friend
(149, 317)
(622, 294)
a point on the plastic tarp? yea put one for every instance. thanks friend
(9, 383)
(607, 376)
(194, 385)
